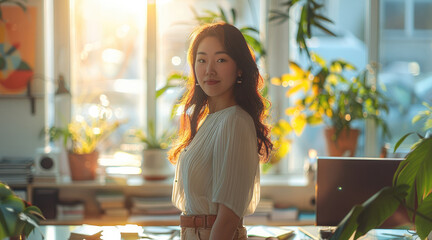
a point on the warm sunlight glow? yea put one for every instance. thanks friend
(96, 131)
(121, 158)
(123, 170)
(111, 55)
(79, 118)
(122, 31)
(176, 60)
(94, 111)
(128, 85)
(104, 100)
(312, 153)
(348, 117)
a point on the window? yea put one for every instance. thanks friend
(109, 61)
(108, 67)
(406, 69)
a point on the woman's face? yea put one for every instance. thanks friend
(215, 70)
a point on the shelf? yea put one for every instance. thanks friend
(135, 181)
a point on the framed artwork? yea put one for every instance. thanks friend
(17, 49)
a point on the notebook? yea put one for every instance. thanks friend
(343, 182)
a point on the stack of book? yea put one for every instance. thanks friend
(153, 206)
(112, 205)
(262, 212)
(16, 170)
(70, 210)
(284, 214)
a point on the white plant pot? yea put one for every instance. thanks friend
(155, 164)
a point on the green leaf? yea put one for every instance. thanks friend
(348, 225)
(424, 225)
(424, 176)
(222, 15)
(234, 15)
(416, 169)
(401, 141)
(9, 209)
(323, 18)
(249, 29)
(5, 191)
(379, 207)
(324, 29)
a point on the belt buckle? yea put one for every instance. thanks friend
(195, 222)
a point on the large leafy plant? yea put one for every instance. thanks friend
(412, 188)
(325, 95)
(17, 217)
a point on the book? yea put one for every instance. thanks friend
(87, 232)
(110, 196)
(265, 206)
(281, 214)
(151, 202)
(267, 232)
(116, 212)
(155, 211)
(256, 218)
(72, 210)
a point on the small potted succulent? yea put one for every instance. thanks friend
(18, 218)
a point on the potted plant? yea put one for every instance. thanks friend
(18, 218)
(155, 164)
(412, 189)
(81, 139)
(324, 95)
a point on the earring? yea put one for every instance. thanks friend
(239, 80)
(196, 83)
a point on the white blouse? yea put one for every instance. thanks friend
(220, 165)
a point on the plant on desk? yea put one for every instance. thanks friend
(412, 188)
(17, 217)
(155, 164)
(81, 139)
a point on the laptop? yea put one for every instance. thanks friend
(343, 182)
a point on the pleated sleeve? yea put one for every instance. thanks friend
(236, 165)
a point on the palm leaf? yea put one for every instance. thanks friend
(379, 207)
(348, 225)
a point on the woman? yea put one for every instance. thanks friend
(222, 136)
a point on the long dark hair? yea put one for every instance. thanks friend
(246, 94)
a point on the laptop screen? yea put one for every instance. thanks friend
(343, 182)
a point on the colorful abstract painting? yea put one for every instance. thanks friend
(17, 49)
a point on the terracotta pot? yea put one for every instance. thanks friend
(155, 164)
(83, 166)
(345, 145)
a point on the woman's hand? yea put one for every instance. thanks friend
(225, 225)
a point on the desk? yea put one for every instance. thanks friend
(52, 232)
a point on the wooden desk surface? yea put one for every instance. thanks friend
(54, 232)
